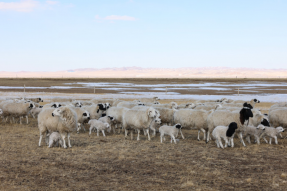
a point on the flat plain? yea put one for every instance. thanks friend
(118, 163)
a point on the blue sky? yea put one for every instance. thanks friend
(60, 35)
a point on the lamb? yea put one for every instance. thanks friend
(109, 120)
(224, 118)
(35, 111)
(55, 139)
(138, 119)
(118, 114)
(154, 125)
(99, 125)
(254, 131)
(172, 131)
(62, 120)
(272, 132)
(225, 132)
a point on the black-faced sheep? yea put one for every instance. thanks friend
(225, 132)
(172, 131)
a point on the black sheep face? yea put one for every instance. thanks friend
(102, 107)
(231, 129)
(85, 114)
(247, 105)
(103, 115)
(178, 126)
(265, 122)
(256, 101)
(54, 106)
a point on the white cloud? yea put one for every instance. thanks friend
(116, 18)
(22, 6)
(52, 2)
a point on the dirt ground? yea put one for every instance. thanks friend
(116, 163)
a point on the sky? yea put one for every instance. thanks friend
(38, 35)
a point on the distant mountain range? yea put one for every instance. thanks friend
(138, 72)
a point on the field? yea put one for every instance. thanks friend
(116, 163)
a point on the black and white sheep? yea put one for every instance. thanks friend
(172, 131)
(226, 133)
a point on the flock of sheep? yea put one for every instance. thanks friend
(222, 118)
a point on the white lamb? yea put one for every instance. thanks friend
(100, 126)
(272, 132)
(55, 139)
(172, 131)
(225, 132)
(254, 131)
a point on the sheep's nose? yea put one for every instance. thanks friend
(89, 118)
(53, 114)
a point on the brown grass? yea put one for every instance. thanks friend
(116, 163)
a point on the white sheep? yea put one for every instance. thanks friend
(224, 118)
(172, 131)
(62, 120)
(254, 131)
(55, 139)
(99, 125)
(118, 114)
(225, 132)
(272, 132)
(108, 119)
(277, 117)
(138, 119)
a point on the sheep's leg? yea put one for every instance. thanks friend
(147, 131)
(69, 141)
(281, 135)
(79, 128)
(114, 129)
(103, 133)
(257, 140)
(248, 139)
(232, 142)
(226, 142)
(27, 119)
(138, 138)
(20, 120)
(276, 142)
(144, 132)
(270, 141)
(265, 140)
(126, 133)
(91, 128)
(198, 138)
(220, 143)
(97, 132)
(160, 138)
(204, 134)
(172, 137)
(40, 140)
(207, 136)
(51, 143)
(217, 144)
(241, 139)
(181, 134)
(64, 142)
(132, 135)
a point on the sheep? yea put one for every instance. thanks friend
(254, 131)
(18, 109)
(118, 114)
(192, 119)
(186, 106)
(62, 120)
(52, 105)
(35, 111)
(150, 100)
(82, 117)
(225, 132)
(55, 139)
(99, 125)
(94, 110)
(35, 100)
(224, 118)
(108, 119)
(277, 117)
(154, 125)
(172, 131)
(138, 119)
(272, 132)
(128, 104)
(59, 99)
(171, 105)
(166, 115)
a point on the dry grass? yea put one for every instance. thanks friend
(116, 163)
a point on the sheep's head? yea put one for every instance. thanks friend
(40, 100)
(245, 113)
(280, 129)
(86, 115)
(157, 120)
(174, 105)
(247, 105)
(56, 105)
(261, 127)
(102, 106)
(108, 105)
(190, 105)
(178, 126)
(256, 101)
(265, 122)
(151, 112)
(78, 104)
(231, 129)
(32, 105)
